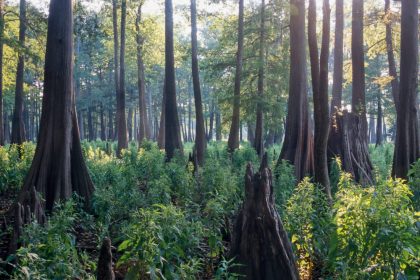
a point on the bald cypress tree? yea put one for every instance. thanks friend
(200, 137)
(319, 70)
(58, 168)
(18, 124)
(121, 118)
(407, 142)
(259, 126)
(233, 141)
(298, 142)
(172, 128)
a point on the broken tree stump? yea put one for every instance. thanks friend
(104, 270)
(348, 141)
(260, 244)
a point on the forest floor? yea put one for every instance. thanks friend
(6, 222)
(86, 240)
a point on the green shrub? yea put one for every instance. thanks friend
(414, 183)
(49, 251)
(15, 162)
(161, 243)
(376, 235)
(381, 157)
(308, 222)
(284, 184)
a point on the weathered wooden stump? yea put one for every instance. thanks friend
(104, 270)
(260, 244)
(347, 141)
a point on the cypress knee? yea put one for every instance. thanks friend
(105, 271)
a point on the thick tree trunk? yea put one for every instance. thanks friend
(172, 128)
(259, 142)
(144, 128)
(260, 243)
(392, 69)
(379, 128)
(407, 143)
(58, 168)
(337, 88)
(18, 125)
(319, 70)
(200, 137)
(349, 144)
(233, 141)
(1, 71)
(298, 143)
(121, 118)
(358, 100)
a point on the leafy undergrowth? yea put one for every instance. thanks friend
(165, 223)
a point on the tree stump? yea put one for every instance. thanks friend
(104, 271)
(347, 141)
(260, 244)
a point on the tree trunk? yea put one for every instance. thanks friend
(260, 243)
(251, 135)
(81, 125)
(218, 125)
(233, 141)
(130, 124)
(319, 70)
(18, 125)
(1, 71)
(337, 88)
(151, 116)
(358, 102)
(172, 128)
(407, 144)
(211, 128)
(58, 168)
(200, 137)
(91, 133)
(144, 128)
(121, 118)
(102, 120)
(379, 123)
(350, 145)
(189, 113)
(161, 135)
(392, 69)
(258, 141)
(116, 47)
(372, 129)
(298, 143)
